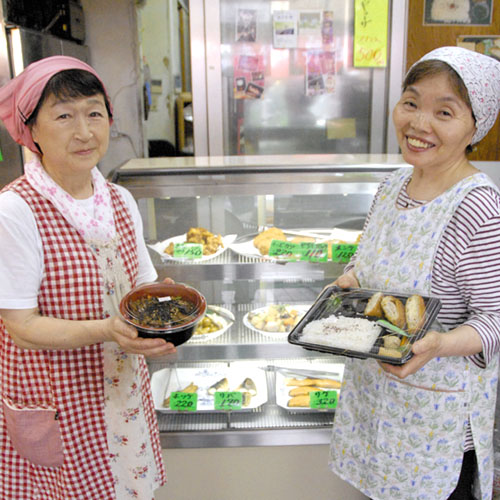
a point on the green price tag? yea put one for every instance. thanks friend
(285, 250)
(183, 401)
(188, 250)
(1, 156)
(225, 400)
(314, 252)
(323, 399)
(343, 252)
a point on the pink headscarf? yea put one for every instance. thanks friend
(19, 97)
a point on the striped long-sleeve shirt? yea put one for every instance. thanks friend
(466, 269)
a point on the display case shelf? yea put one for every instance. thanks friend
(243, 195)
(267, 425)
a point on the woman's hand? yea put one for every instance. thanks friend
(347, 280)
(127, 338)
(461, 341)
(423, 350)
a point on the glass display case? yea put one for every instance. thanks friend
(239, 197)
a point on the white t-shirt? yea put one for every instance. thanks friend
(21, 252)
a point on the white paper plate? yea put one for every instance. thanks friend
(303, 308)
(244, 245)
(161, 245)
(334, 371)
(204, 378)
(225, 323)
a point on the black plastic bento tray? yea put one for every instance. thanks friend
(352, 302)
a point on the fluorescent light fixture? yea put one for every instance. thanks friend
(17, 51)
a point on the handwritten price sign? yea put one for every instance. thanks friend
(188, 250)
(370, 33)
(322, 400)
(314, 252)
(343, 252)
(227, 401)
(284, 250)
(183, 401)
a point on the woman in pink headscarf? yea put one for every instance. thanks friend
(76, 416)
(424, 430)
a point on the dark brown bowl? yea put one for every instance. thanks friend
(178, 334)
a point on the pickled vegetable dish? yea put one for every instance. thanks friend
(150, 311)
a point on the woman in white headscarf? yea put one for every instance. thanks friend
(424, 430)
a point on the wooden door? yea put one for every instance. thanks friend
(422, 39)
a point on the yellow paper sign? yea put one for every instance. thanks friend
(370, 33)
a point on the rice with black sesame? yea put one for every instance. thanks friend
(355, 334)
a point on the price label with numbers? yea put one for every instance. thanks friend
(343, 252)
(225, 400)
(284, 250)
(183, 401)
(322, 400)
(314, 252)
(188, 250)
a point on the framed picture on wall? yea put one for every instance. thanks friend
(488, 45)
(453, 12)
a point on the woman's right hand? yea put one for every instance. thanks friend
(127, 338)
(347, 280)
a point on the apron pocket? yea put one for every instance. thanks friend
(35, 434)
(421, 423)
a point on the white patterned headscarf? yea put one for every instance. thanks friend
(481, 76)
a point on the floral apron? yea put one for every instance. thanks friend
(135, 471)
(404, 439)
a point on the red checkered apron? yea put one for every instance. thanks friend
(71, 381)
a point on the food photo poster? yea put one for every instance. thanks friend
(452, 12)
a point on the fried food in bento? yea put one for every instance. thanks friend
(263, 240)
(386, 351)
(211, 242)
(374, 305)
(394, 310)
(415, 313)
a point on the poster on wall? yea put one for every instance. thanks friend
(320, 72)
(309, 29)
(327, 28)
(248, 76)
(285, 29)
(246, 25)
(470, 12)
(370, 33)
(488, 45)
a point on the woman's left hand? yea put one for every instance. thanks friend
(423, 350)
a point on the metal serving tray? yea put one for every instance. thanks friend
(351, 302)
